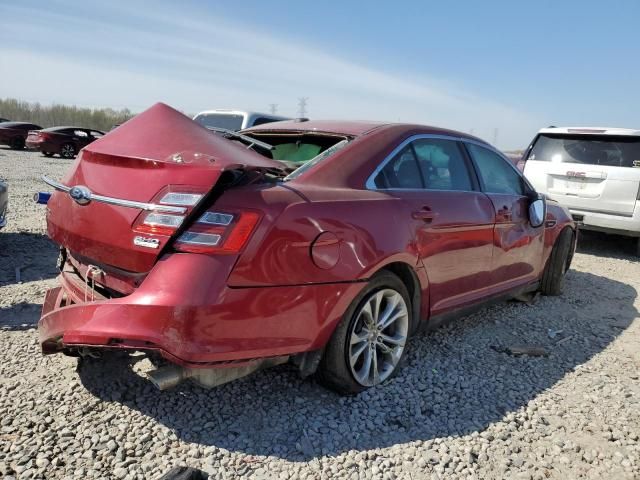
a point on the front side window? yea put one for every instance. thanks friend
(496, 175)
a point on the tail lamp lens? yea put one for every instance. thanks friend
(165, 223)
(218, 232)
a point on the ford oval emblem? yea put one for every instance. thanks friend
(80, 194)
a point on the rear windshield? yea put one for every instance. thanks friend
(591, 150)
(228, 121)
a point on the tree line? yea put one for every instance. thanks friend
(58, 115)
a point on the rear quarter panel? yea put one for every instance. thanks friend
(366, 224)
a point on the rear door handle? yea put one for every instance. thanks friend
(425, 215)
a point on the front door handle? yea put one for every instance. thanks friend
(425, 215)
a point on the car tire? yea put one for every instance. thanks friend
(558, 264)
(17, 143)
(48, 154)
(68, 150)
(377, 344)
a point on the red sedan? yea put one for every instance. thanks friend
(64, 141)
(327, 244)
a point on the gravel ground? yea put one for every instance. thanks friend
(458, 409)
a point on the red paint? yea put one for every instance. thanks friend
(318, 240)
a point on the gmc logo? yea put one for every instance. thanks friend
(576, 174)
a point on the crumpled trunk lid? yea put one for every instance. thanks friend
(158, 151)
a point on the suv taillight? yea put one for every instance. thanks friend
(218, 232)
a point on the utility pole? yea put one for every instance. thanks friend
(302, 107)
(273, 108)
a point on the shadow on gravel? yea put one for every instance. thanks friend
(607, 245)
(21, 316)
(453, 383)
(26, 257)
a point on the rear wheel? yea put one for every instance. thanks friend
(369, 343)
(68, 151)
(48, 154)
(17, 143)
(558, 264)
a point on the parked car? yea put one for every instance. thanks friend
(196, 247)
(4, 203)
(594, 172)
(4, 120)
(235, 119)
(64, 141)
(14, 134)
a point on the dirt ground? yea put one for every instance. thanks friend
(460, 407)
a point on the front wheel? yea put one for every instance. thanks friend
(369, 343)
(558, 264)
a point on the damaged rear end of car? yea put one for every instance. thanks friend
(147, 245)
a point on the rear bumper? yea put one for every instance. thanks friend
(196, 320)
(608, 223)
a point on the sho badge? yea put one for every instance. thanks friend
(146, 242)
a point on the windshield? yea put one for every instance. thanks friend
(228, 121)
(591, 150)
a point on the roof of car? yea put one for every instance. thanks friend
(354, 128)
(591, 131)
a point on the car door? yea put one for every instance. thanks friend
(517, 254)
(450, 219)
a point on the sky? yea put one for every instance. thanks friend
(498, 69)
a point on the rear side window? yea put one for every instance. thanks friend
(442, 165)
(496, 174)
(591, 150)
(401, 171)
(426, 163)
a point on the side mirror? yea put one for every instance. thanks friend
(537, 212)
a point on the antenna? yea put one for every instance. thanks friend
(302, 107)
(273, 108)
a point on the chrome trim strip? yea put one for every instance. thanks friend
(119, 202)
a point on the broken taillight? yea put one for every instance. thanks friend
(218, 232)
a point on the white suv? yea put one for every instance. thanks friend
(594, 172)
(235, 119)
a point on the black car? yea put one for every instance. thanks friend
(4, 120)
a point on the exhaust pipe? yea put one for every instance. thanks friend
(168, 377)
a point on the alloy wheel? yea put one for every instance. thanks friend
(67, 151)
(378, 337)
